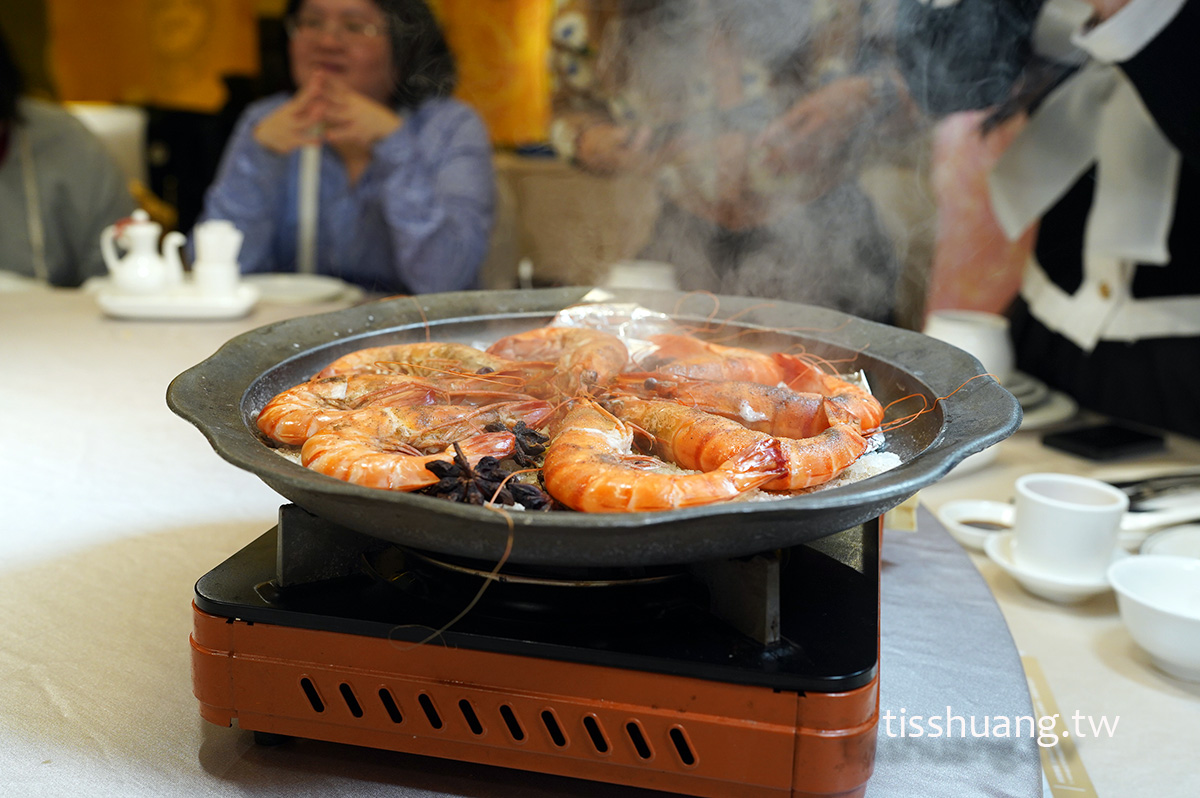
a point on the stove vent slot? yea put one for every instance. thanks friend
(468, 713)
(556, 733)
(389, 704)
(596, 733)
(310, 692)
(634, 730)
(431, 713)
(351, 700)
(510, 720)
(682, 746)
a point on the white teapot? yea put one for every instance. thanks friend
(143, 270)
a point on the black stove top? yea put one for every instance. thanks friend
(657, 620)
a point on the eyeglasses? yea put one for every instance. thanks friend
(310, 27)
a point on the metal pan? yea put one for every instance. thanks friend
(223, 395)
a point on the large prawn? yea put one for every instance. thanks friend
(585, 359)
(801, 374)
(443, 361)
(694, 439)
(687, 356)
(590, 466)
(295, 414)
(773, 409)
(389, 447)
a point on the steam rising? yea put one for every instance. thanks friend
(708, 78)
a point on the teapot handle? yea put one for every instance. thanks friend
(172, 243)
(108, 248)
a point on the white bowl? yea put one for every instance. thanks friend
(1062, 589)
(1159, 599)
(1182, 541)
(972, 521)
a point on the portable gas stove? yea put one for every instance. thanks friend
(725, 649)
(755, 676)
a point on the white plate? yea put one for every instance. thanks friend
(1181, 541)
(11, 282)
(999, 549)
(300, 289)
(1057, 408)
(956, 515)
(184, 302)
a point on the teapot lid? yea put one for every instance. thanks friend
(139, 221)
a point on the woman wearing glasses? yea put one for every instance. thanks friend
(405, 178)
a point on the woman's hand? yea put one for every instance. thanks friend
(328, 110)
(354, 123)
(1106, 8)
(296, 123)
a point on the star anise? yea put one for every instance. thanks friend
(531, 444)
(487, 481)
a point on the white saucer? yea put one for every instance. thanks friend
(184, 302)
(1057, 408)
(974, 462)
(955, 516)
(1181, 541)
(1063, 590)
(287, 288)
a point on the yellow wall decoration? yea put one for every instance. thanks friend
(165, 53)
(501, 47)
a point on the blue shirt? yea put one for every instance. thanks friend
(417, 221)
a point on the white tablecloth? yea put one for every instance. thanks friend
(113, 507)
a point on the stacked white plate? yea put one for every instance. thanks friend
(1042, 406)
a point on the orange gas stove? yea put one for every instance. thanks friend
(749, 677)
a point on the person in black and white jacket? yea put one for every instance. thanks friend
(1107, 167)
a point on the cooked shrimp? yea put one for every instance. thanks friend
(694, 439)
(370, 464)
(772, 409)
(386, 446)
(428, 428)
(295, 414)
(585, 358)
(802, 375)
(429, 360)
(685, 356)
(589, 466)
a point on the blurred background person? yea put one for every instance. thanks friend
(1105, 174)
(405, 174)
(756, 119)
(59, 187)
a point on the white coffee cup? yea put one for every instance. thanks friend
(977, 332)
(1066, 526)
(647, 274)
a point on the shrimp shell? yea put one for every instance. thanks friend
(363, 464)
(802, 375)
(584, 358)
(295, 414)
(386, 447)
(426, 360)
(694, 439)
(772, 409)
(686, 356)
(589, 466)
